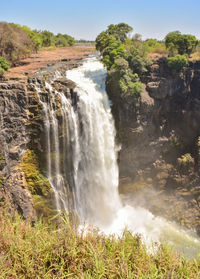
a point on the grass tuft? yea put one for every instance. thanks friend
(57, 250)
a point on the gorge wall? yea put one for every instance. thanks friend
(159, 137)
(24, 184)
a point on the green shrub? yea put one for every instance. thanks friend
(4, 64)
(177, 62)
(128, 82)
(34, 36)
(154, 46)
(137, 60)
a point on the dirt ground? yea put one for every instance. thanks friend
(48, 57)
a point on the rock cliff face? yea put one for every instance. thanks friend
(159, 136)
(13, 141)
(22, 144)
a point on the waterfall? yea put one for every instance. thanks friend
(95, 168)
(82, 165)
(55, 155)
(94, 151)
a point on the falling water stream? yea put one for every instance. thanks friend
(89, 153)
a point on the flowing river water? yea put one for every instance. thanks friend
(88, 142)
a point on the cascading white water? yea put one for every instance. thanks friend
(95, 158)
(95, 169)
(94, 150)
(82, 165)
(52, 135)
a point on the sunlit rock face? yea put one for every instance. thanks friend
(23, 128)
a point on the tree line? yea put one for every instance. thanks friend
(126, 58)
(18, 42)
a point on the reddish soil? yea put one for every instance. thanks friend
(47, 57)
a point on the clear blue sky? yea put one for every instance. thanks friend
(87, 18)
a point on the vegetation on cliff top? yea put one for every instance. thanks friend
(177, 62)
(124, 60)
(57, 250)
(18, 42)
(182, 43)
(127, 59)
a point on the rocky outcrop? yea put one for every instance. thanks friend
(22, 136)
(158, 133)
(13, 141)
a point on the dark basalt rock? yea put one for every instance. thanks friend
(22, 128)
(156, 132)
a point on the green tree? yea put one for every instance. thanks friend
(48, 38)
(177, 62)
(120, 31)
(127, 82)
(70, 39)
(184, 44)
(116, 32)
(35, 37)
(137, 60)
(61, 41)
(124, 59)
(64, 40)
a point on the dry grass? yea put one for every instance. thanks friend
(56, 250)
(195, 56)
(45, 57)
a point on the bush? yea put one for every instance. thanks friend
(128, 83)
(137, 60)
(4, 66)
(154, 46)
(177, 62)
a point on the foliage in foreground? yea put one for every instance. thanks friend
(56, 250)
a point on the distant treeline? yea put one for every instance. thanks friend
(18, 42)
(84, 41)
